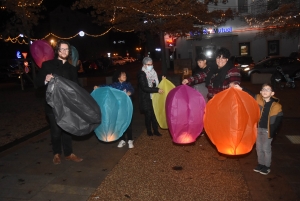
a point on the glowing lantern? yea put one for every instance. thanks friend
(185, 109)
(41, 51)
(116, 109)
(159, 101)
(230, 121)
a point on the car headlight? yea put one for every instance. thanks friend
(244, 66)
(247, 69)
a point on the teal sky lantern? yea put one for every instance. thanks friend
(116, 109)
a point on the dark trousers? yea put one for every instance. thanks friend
(128, 133)
(59, 138)
(150, 119)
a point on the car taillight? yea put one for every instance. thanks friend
(236, 64)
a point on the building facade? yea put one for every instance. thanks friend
(236, 35)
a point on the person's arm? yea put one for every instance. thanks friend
(234, 77)
(143, 84)
(43, 76)
(244, 89)
(129, 88)
(196, 79)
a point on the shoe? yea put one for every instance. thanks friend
(157, 133)
(56, 159)
(149, 133)
(74, 158)
(258, 168)
(130, 144)
(265, 170)
(121, 144)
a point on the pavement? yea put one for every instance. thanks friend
(155, 169)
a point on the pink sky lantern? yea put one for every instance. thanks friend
(41, 51)
(185, 109)
(230, 121)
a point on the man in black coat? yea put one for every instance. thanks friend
(59, 66)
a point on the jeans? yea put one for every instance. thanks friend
(263, 147)
(59, 138)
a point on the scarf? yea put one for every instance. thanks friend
(151, 77)
(218, 75)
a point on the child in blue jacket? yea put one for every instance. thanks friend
(120, 82)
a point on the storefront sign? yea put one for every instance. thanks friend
(211, 31)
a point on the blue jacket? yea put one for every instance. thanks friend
(121, 86)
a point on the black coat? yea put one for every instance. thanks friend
(56, 67)
(145, 101)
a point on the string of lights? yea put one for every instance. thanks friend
(270, 20)
(81, 33)
(157, 15)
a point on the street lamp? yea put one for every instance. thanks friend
(52, 42)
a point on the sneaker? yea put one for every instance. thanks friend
(258, 168)
(56, 159)
(121, 144)
(130, 144)
(74, 158)
(265, 170)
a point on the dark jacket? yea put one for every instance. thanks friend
(275, 115)
(55, 67)
(145, 101)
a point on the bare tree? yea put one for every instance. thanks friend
(280, 18)
(174, 17)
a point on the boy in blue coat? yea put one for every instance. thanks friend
(121, 83)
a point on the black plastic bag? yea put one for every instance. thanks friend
(75, 110)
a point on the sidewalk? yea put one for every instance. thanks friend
(155, 169)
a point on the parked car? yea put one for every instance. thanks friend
(295, 55)
(117, 62)
(129, 59)
(243, 63)
(289, 65)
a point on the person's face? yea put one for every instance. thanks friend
(63, 51)
(201, 63)
(266, 92)
(122, 77)
(221, 61)
(149, 63)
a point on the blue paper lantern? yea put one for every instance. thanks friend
(116, 109)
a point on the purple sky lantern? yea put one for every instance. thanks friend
(185, 109)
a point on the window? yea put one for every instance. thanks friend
(273, 47)
(244, 49)
(243, 6)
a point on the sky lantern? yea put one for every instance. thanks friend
(41, 51)
(185, 109)
(75, 56)
(74, 109)
(159, 102)
(230, 121)
(116, 109)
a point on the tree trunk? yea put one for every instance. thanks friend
(163, 53)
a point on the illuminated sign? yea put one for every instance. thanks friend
(19, 56)
(211, 31)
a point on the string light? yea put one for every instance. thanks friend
(16, 39)
(158, 15)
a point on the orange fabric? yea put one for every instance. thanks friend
(230, 121)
